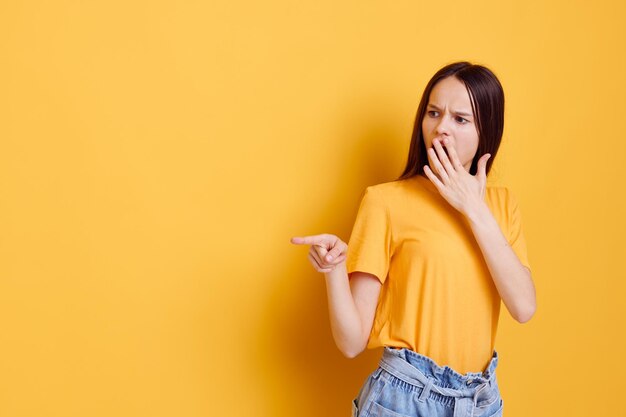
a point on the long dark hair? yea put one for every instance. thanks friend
(487, 98)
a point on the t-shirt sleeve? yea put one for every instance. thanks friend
(370, 240)
(516, 237)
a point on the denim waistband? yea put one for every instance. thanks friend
(420, 370)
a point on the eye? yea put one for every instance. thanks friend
(462, 119)
(431, 111)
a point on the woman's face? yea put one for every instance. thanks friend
(449, 114)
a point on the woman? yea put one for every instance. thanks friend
(430, 257)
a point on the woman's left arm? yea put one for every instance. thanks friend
(465, 192)
(512, 279)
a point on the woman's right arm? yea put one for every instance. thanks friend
(352, 300)
(352, 305)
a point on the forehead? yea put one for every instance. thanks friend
(452, 93)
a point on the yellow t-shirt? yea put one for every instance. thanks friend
(438, 297)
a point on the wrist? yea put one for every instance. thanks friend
(339, 270)
(479, 213)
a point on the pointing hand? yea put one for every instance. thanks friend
(326, 252)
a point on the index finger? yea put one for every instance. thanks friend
(308, 240)
(452, 152)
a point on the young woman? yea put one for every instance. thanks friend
(431, 256)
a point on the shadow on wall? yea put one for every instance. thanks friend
(294, 338)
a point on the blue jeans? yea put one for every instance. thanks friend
(409, 384)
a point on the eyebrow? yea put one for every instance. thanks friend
(460, 113)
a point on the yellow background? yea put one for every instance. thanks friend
(156, 157)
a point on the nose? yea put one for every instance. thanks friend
(442, 127)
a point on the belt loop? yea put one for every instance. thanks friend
(475, 396)
(424, 394)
